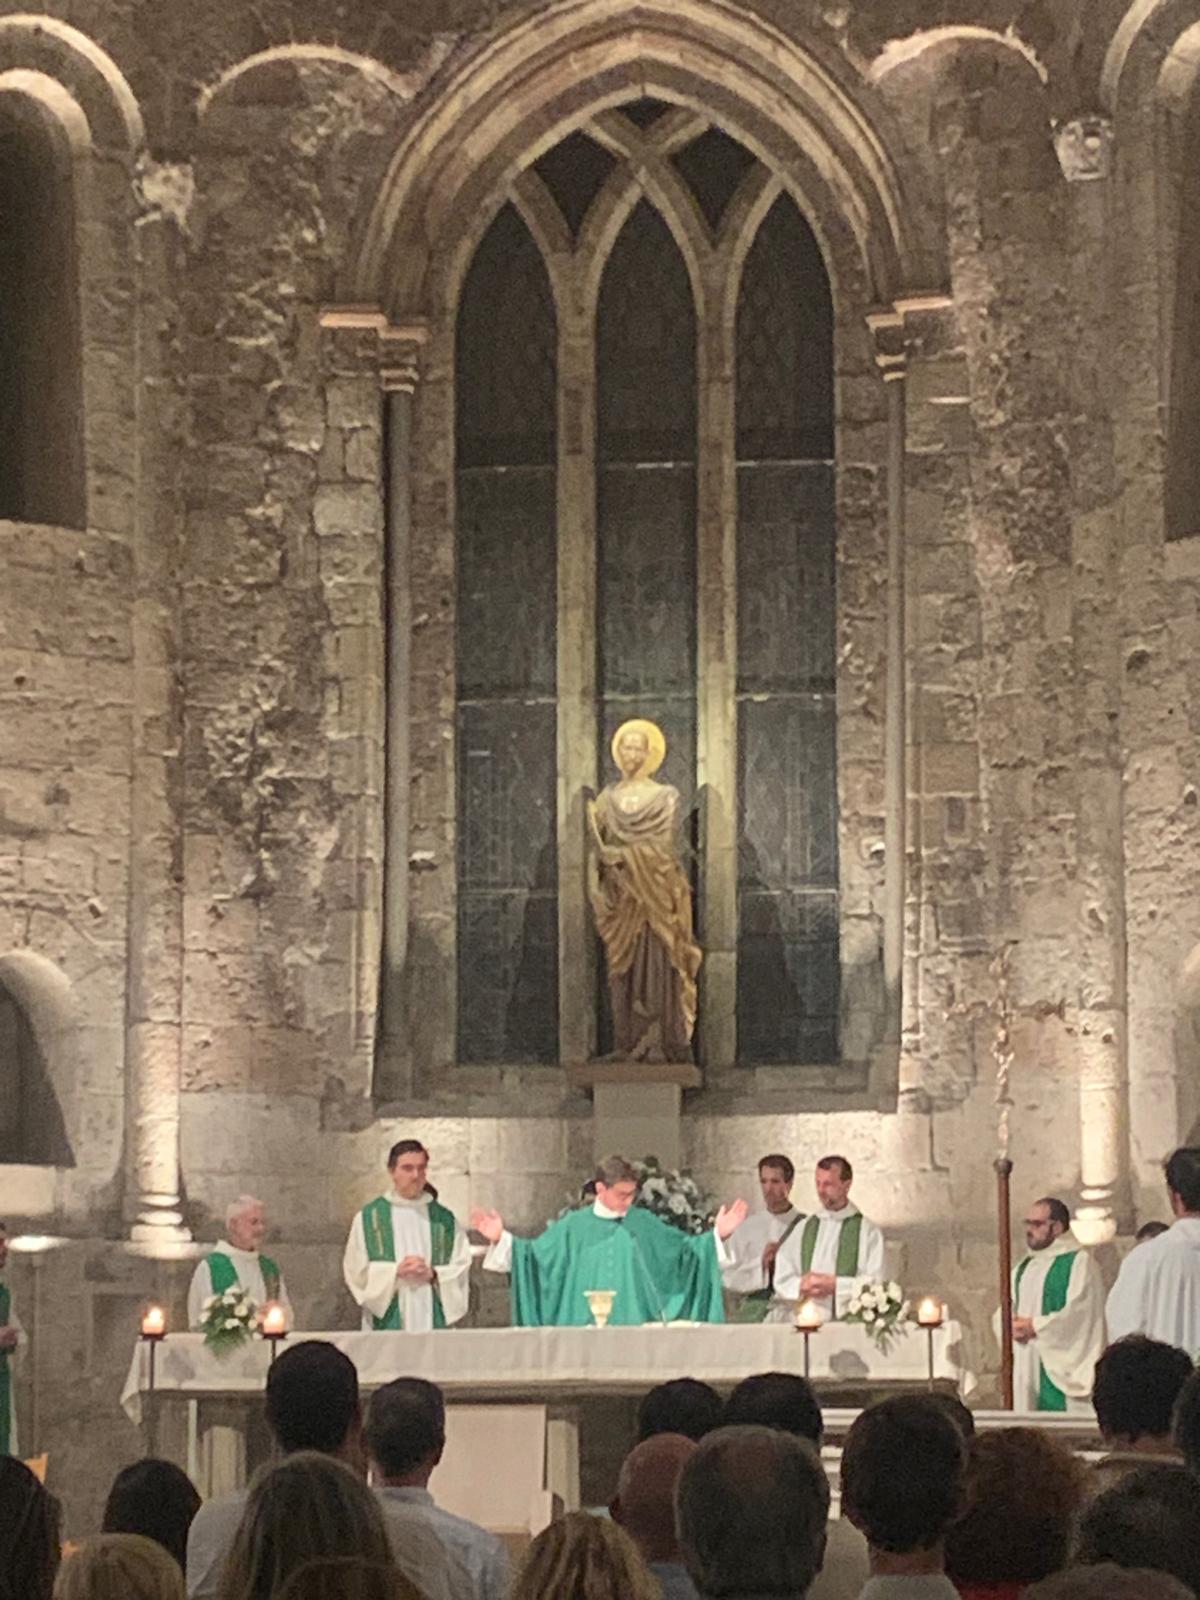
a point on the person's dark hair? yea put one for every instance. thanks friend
(1137, 1383)
(1022, 1493)
(613, 1170)
(837, 1164)
(1150, 1230)
(1107, 1582)
(960, 1415)
(156, 1499)
(29, 1534)
(312, 1397)
(1058, 1212)
(1183, 1176)
(902, 1474)
(751, 1508)
(681, 1405)
(1149, 1519)
(406, 1425)
(776, 1400)
(1185, 1426)
(781, 1164)
(405, 1147)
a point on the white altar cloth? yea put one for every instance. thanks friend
(556, 1363)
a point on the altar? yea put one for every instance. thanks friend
(554, 1372)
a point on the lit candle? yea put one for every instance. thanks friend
(154, 1322)
(274, 1323)
(808, 1317)
(930, 1313)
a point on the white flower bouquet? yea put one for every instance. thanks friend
(882, 1310)
(676, 1197)
(227, 1320)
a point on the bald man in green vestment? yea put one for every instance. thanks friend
(659, 1273)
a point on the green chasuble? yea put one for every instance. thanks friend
(658, 1272)
(381, 1246)
(224, 1274)
(1054, 1298)
(5, 1378)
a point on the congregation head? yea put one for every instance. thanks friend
(834, 1175)
(751, 1511)
(29, 1534)
(120, 1566)
(307, 1507)
(1108, 1582)
(347, 1578)
(246, 1222)
(1136, 1387)
(1150, 1230)
(1183, 1179)
(584, 1557)
(312, 1398)
(405, 1429)
(1186, 1422)
(780, 1400)
(616, 1183)
(645, 1500)
(1151, 1518)
(681, 1405)
(1021, 1494)
(902, 1474)
(155, 1499)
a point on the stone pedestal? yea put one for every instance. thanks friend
(638, 1119)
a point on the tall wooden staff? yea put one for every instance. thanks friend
(1002, 1052)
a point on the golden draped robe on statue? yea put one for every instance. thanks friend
(643, 909)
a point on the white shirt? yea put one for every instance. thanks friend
(1157, 1291)
(742, 1253)
(1069, 1342)
(373, 1283)
(480, 1552)
(418, 1552)
(249, 1275)
(788, 1270)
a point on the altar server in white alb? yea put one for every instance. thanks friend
(237, 1261)
(1157, 1291)
(747, 1257)
(1058, 1315)
(407, 1261)
(833, 1249)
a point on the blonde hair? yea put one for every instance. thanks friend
(583, 1557)
(306, 1508)
(119, 1566)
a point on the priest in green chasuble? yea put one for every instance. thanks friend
(237, 1261)
(407, 1261)
(659, 1273)
(1058, 1315)
(11, 1336)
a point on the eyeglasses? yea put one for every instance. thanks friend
(1037, 1222)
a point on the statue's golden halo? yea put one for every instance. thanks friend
(656, 744)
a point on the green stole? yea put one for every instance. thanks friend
(757, 1303)
(849, 1235)
(224, 1274)
(5, 1377)
(1054, 1298)
(381, 1246)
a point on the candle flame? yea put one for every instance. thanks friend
(273, 1321)
(808, 1317)
(930, 1313)
(154, 1321)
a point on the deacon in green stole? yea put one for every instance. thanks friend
(407, 1261)
(238, 1262)
(659, 1273)
(10, 1337)
(1058, 1315)
(834, 1249)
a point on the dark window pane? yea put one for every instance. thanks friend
(506, 610)
(785, 345)
(647, 581)
(646, 112)
(713, 166)
(786, 579)
(575, 171)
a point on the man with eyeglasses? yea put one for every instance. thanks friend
(1058, 1315)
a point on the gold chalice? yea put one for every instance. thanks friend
(600, 1303)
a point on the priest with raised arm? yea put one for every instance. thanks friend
(833, 1249)
(1058, 1315)
(748, 1257)
(659, 1273)
(1157, 1291)
(407, 1261)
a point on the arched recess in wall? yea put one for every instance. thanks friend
(652, 118)
(69, 133)
(37, 1061)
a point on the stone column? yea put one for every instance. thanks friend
(1084, 148)
(155, 985)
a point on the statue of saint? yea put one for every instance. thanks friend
(643, 904)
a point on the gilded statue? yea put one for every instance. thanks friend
(642, 902)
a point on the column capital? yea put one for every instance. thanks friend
(1084, 148)
(897, 328)
(395, 350)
